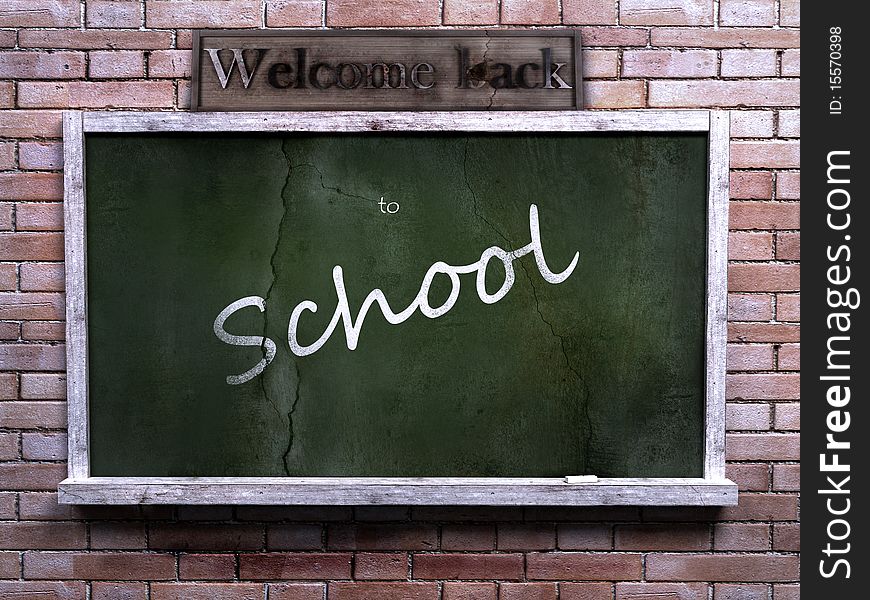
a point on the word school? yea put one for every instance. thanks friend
(352, 327)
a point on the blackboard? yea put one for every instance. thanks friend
(584, 352)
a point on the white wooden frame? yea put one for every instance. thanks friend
(81, 488)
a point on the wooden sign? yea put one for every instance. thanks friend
(385, 70)
(357, 307)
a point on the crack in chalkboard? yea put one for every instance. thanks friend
(272, 264)
(337, 190)
(286, 457)
(585, 388)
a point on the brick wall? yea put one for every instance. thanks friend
(739, 54)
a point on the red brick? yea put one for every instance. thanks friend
(116, 64)
(43, 446)
(225, 536)
(295, 591)
(748, 63)
(747, 13)
(789, 357)
(608, 514)
(294, 13)
(468, 566)
(662, 537)
(585, 591)
(751, 124)
(527, 591)
(468, 537)
(665, 12)
(749, 357)
(7, 94)
(790, 63)
(25, 305)
(747, 185)
(41, 65)
(748, 568)
(117, 536)
(41, 216)
(763, 332)
(788, 308)
(7, 161)
(588, 12)
(790, 13)
(761, 507)
(380, 566)
(207, 591)
(725, 37)
(169, 63)
(41, 506)
(202, 14)
(762, 446)
(31, 415)
(787, 592)
(614, 36)
(788, 246)
(294, 536)
(750, 307)
(788, 186)
(293, 513)
(772, 386)
(463, 590)
(47, 590)
(94, 39)
(7, 506)
(585, 537)
(39, 13)
(669, 63)
(382, 591)
(788, 416)
(114, 590)
(583, 567)
(44, 536)
(382, 537)
(8, 386)
(8, 277)
(205, 513)
(614, 94)
(10, 566)
(96, 94)
(9, 447)
(787, 537)
(526, 537)
(790, 123)
(741, 536)
(98, 565)
(763, 278)
(32, 357)
(471, 12)
(382, 13)
(207, 566)
(31, 476)
(290, 565)
(744, 245)
(732, 591)
(661, 591)
(723, 93)
(749, 477)
(42, 277)
(765, 155)
(43, 386)
(9, 331)
(31, 186)
(521, 12)
(7, 39)
(747, 417)
(31, 123)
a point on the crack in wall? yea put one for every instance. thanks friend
(337, 190)
(285, 458)
(585, 387)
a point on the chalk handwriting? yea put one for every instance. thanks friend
(353, 327)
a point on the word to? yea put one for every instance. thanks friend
(388, 207)
(352, 327)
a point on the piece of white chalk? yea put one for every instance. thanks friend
(581, 478)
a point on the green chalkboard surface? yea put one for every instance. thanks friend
(595, 367)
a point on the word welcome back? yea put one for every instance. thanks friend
(352, 327)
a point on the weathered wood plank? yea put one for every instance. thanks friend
(354, 491)
(329, 122)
